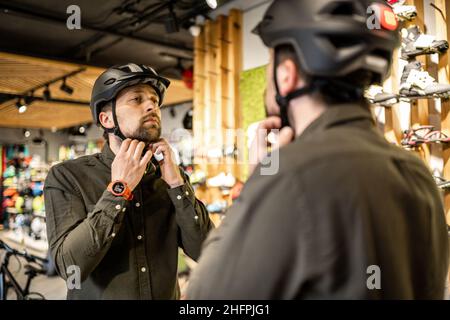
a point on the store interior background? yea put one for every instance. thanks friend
(253, 56)
(49, 145)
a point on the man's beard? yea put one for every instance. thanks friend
(147, 135)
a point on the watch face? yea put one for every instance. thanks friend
(118, 187)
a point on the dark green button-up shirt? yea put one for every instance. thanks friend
(123, 249)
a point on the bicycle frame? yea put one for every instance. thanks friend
(7, 279)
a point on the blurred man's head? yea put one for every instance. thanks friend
(326, 49)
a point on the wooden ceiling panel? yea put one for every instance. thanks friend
(19, 74)
(48, 115)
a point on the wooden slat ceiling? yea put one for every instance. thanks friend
(18, 74)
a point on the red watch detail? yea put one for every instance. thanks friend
(120, 189)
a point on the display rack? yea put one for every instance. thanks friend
(23, 210)
(410, 113)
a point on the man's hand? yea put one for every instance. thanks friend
(129, 165)
(259, 147)
(169, 169)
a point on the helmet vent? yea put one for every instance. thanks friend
(109, 81)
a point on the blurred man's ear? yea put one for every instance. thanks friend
(287, 77)
(106, 119)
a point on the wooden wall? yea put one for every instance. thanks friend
(217, 111)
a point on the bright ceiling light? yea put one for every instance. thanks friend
(22, 107)
(195, 30)
(212, 3)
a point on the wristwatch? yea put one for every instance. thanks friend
(120, 189)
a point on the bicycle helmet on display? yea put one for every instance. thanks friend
(332, 39)
(116, 78)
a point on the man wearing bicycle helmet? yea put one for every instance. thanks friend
(347, 215)
(116, 219)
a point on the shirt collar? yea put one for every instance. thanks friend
(337, 115)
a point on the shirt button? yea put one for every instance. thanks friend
(187, 193)
(143, 269)
(196, 217)
(179, 197)
(138, 204)
(113, 234)
(123, 210)
(118, 207)
(139, 237)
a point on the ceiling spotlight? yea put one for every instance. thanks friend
(64, 87)
(195, 30)
(21, 106)
(47, 94)
(212, 3)
(26, 133)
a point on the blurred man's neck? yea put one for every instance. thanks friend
(304, 111)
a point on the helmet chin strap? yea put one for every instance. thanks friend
(116, 129)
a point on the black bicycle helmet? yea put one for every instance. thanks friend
(116, 78)
(332, 38)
